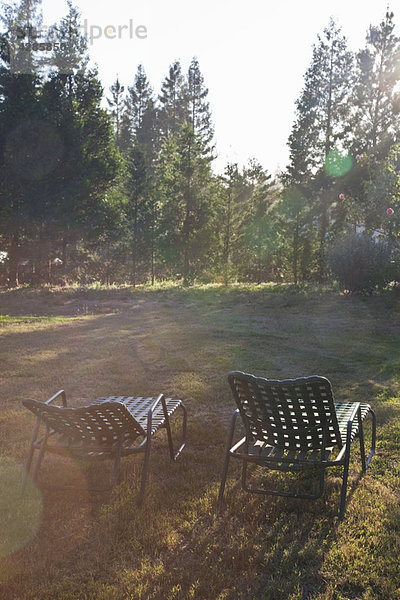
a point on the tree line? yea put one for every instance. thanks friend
(128, 193)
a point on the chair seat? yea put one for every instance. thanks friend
(272, 454)
(343, 412)
(139, 408)
(262, 450)
(62, 444)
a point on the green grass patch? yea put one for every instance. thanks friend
(10, 320)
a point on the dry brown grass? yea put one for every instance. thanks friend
(71, 546)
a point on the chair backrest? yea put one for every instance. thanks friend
(97, 424)
(290, 414)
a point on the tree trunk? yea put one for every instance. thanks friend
(13, 255)
(186, 265)
(228, 238)
(296, 253)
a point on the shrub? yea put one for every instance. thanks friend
(360, 263)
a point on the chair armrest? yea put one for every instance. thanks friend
(350, 422)
(160, 398)
(353, 414)
(154, 404)
(56, 395)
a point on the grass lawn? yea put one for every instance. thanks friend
(64, 545)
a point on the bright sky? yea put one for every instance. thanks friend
(253, 55)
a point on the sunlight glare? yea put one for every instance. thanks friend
(21, 516)
(337, 163)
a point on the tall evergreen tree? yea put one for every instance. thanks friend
(294, 219)
(185, 188)
(322, 110)
(322, 127)
(199, 113)
(377, 103)
(139, 100)
(138, 143)
(22, 21)
(173, 110)
(20, 160)
(116, 105)
(230, 218)
(259, 235)
(70, 51)
(57, 158)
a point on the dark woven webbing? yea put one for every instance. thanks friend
(289, 414)
(343, 412)
(139, 408)
(101, 424)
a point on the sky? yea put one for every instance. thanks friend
(253, 55)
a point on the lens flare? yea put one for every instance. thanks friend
(338, 164)
(21, 516)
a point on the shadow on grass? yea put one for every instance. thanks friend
(176, 546)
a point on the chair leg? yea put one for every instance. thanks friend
(344, 482)
(362, 446)
(174, 455)
(39, 459)
(223, 479)
(145, 470)
(27, 469)
(226, 460)
(38, 462)
(30, 456)
(184, 427)
(373, 441)
(169, 436)
(365, 462)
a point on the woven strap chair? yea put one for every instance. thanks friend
(294, 425)
(108, 428)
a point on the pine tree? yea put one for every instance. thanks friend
(229, 217)
(199, 114)
(70, 52)
(377, 104)
(173, 111)
(322, 128)
(139, 143)
(20, 114)
(116, 105)
(185, 188)
(258, 227)
(138, 101)
(57, 159)
(77, 189)
(294, 219)
(322, 110)
(22, 23)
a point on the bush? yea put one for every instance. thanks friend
(361, 264)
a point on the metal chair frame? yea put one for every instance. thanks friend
(294, 425)
(108, 428)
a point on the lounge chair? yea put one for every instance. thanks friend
(294, 425)
(112, 427)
